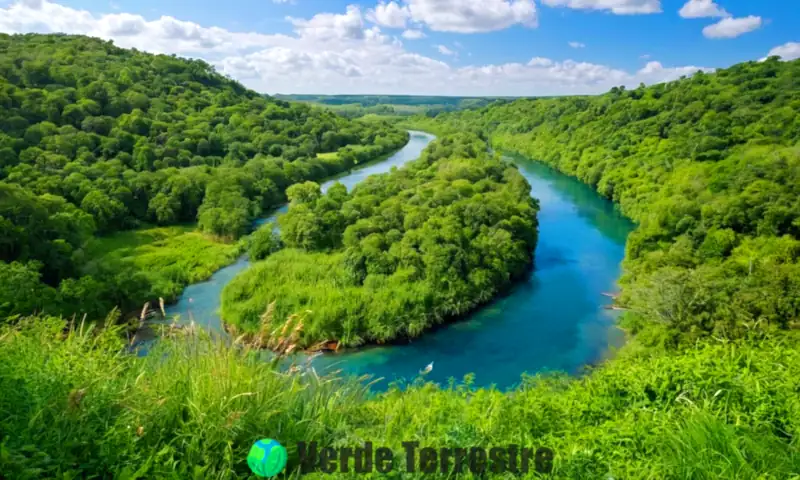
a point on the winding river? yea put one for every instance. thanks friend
(555, 320)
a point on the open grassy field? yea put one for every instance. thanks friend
(170, 257)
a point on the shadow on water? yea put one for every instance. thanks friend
(553, 320)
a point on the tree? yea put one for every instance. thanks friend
(264, 242)
(108, 212)
(92, 134)
(301, 193)
(21, 292)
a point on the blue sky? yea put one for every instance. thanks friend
(467, 47)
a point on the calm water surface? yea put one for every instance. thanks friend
(554, 320)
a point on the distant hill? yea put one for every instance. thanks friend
(360, 105)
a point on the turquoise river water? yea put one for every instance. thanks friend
(554, 320)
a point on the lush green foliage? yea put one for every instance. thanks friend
(147, 263)
(76, 405)
(709, 168)
(404, 251)
(264, 242)
(96, 139)
(169, 258)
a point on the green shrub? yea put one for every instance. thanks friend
(403, 252)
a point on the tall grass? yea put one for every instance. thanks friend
(76, 404)
(170, 257)
(704, 447)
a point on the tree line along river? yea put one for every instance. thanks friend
(553, 320)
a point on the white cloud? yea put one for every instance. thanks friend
(330, 25)
(389, 69)
(444, 50)
(471, 16)
(390, 15)
(461, 16)
(412, 34)
(577, 45)
(654, 72)
(564, 77)
(788, 51)
(619, 7)
(732, 27)
(702, 9)
(540, 62)
(328, 53)
(164, 35)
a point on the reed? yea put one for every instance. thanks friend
(75, 404)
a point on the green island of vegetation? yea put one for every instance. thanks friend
(97, 140)
(404, 251)
(708, 167)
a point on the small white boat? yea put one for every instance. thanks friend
(427, 369)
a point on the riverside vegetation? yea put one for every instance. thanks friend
(709, 169)
(707, 388)
(95, 140)
(76, 404)
(404, 251)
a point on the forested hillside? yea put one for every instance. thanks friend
(709, 168)
(404, 251)
(95, 139)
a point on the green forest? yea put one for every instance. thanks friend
(96, 141)
(395, 106)
(402, 252)
(125, 176)
(709, 169)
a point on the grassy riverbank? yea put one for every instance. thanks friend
(152, 262)
(169, 258)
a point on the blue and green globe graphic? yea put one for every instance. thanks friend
(267, 458)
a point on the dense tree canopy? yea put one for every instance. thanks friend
(709, 168)
(95, 139)
(404, 251)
